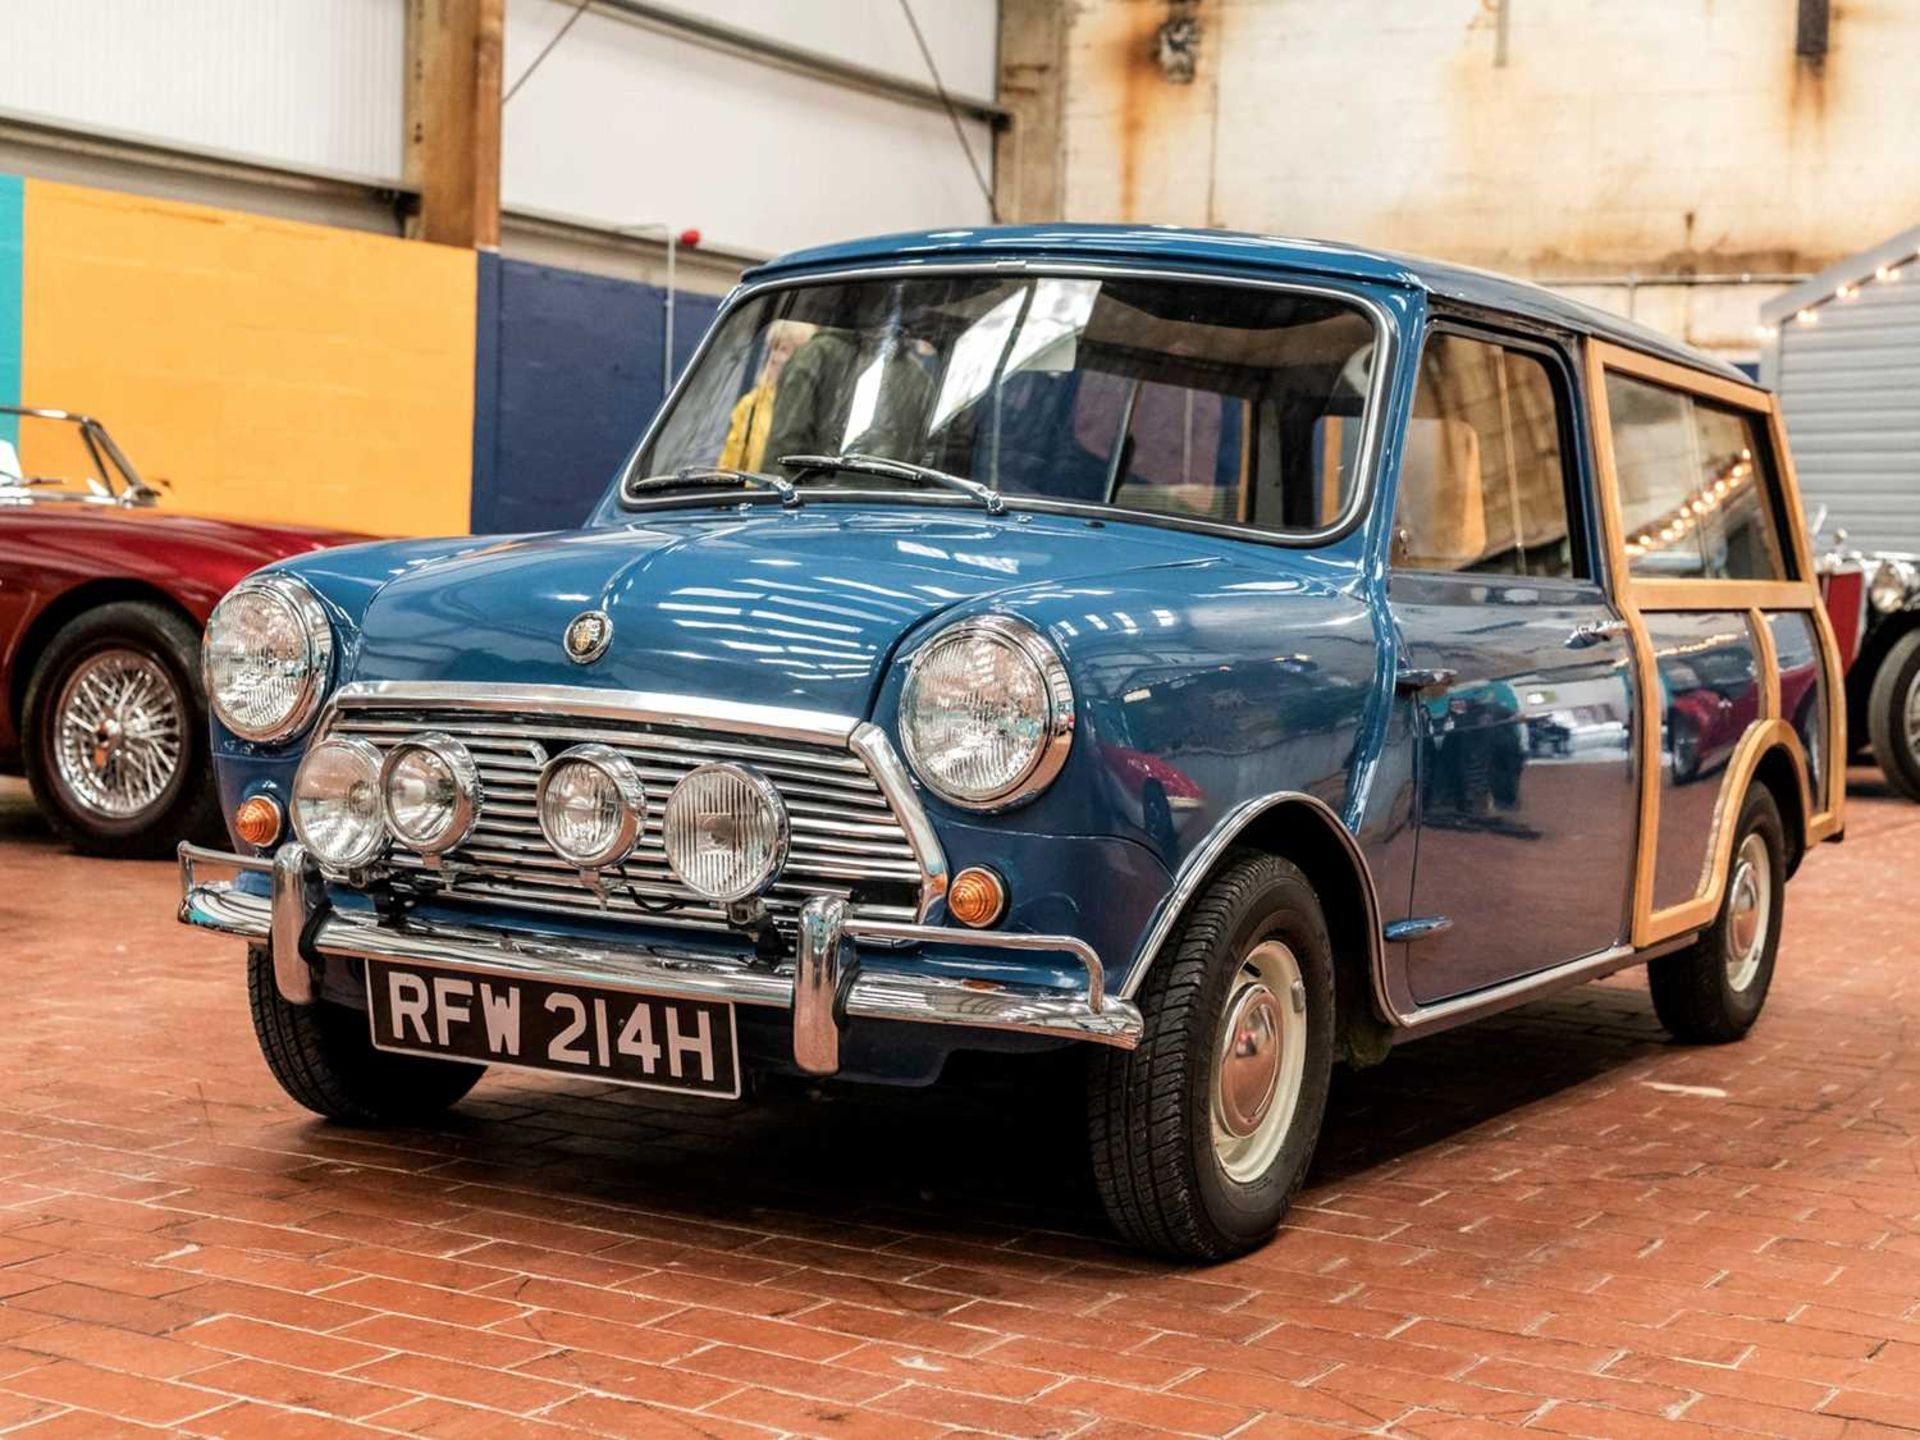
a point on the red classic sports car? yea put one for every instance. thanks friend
(102, 600)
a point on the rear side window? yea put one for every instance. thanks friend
(1696, 488)
(1483, 482)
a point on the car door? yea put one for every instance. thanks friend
(1517, 671)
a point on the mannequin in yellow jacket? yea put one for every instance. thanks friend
(752, 421)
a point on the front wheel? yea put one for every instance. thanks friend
(1893, 715)
(1202, 1135)
(324, 1058)
(1713, 991)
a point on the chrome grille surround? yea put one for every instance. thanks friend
(859, 831)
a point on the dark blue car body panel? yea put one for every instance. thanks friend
(1236, 666)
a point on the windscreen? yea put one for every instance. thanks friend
(1238, 404)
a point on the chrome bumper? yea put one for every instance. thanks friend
(824, 985)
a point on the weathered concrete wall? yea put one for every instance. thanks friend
(1602, 139)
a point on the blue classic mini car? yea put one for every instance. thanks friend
(1224, 654)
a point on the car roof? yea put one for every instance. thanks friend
(1179, 246)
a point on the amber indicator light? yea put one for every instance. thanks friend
(257, 821)
(977, 896)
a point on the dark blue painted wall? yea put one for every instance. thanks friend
(567, 375)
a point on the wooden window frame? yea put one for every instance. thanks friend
(1633, 597)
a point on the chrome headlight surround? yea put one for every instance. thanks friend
(313, 667)
(361, 765)
(1050, 719)
(629, 798)
(1892, 585)
(769, 808)
(463, 806)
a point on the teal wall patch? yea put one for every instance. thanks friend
(12, 213)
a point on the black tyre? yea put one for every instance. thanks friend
(1712, 992)
(1202, 1135)
(322, 1056)
(1893, 715)
(114, 733)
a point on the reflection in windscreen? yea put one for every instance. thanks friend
(1208, 401)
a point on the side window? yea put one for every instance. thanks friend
(1696, 488)
(1483, 483)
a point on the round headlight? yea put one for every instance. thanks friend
(726, 831)
(591, 806)
(336, 804)
(1891, 584)
(267, 657)
(432, 791)
(986, 715)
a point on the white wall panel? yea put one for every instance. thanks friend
(961, 34)
(310, 84)
(624, 124)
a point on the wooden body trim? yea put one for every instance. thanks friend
(1635, 598)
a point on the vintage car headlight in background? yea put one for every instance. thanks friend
(1893, 585)
(986, 716)
(336, 804)
(726, 832)
(267, 657)
(431, 788)
(591, 806)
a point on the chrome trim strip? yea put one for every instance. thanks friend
(189, 854)
(639, 706)
(995, 940)
(1386, 345)
(1193, 870)
(291, 909)
(1419, 928)
(1461, 1008)
(819, 956)
(870, 743)
(689, 973)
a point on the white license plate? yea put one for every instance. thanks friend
(607, 1034)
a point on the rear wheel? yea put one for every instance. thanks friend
(115, 733)
(1893, 715)
(1202, 1135)
(324, 1058)
(1713, 991)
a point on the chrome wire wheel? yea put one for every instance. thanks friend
(1258, 1061)
(1749, 911)
(1913, 716)
(120, 733)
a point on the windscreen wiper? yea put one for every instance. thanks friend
(854, 462)
(694, 476)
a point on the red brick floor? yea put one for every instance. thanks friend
(1555, 1222)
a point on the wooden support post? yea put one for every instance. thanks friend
(453, 119)
(1028, 173)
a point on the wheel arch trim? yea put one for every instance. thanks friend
(61, 609)
(1202, 860)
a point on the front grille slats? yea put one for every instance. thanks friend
(845, 838)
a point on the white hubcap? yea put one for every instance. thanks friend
(1258, 1061)
(1749, 910)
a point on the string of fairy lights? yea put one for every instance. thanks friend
(1680, 523)
(1844, 293)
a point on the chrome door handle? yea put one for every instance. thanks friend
(1594, 633)
(1412, 682)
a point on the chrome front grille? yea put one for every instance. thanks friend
(846, 839)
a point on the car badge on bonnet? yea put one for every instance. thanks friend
(588, 635)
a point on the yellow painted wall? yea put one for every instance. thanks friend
(271, 370)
